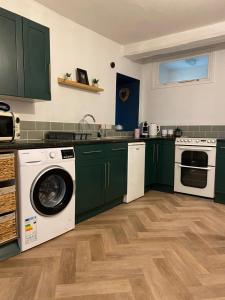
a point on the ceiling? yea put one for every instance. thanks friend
(129, 21)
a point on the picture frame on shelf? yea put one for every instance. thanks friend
(82, 76)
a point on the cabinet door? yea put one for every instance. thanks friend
(165, 162)
(116, 171)
(220, 173)
(36, 60)
(90, 185)
(11, 54)
(150, 162)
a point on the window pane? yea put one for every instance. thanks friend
(182, 70)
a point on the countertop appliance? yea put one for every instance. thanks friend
(46, 179)
(154, 129)
(135, 171)
(144, 129)
(9, 126)
(195, 161)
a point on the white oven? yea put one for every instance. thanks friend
(195, 161)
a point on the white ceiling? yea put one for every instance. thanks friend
(129, 21)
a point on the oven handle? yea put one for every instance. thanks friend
(192, 167)
(195, 148)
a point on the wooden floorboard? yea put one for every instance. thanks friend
(159, 247)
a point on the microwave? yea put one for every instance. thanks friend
(9, 126)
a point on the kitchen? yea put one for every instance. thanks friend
(150, 248)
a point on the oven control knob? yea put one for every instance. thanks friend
(213, 141)
(181, 140)
(190, 140)
(52, 154)
(185, 140)
(197, 141)
(208, 141)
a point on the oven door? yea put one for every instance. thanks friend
(195, 156)
(194, 180)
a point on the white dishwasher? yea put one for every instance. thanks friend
(135, 171)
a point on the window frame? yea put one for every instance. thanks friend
(156, 67)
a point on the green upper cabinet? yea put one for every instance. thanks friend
(24, 57)
(11, 54)
(159, 164)
(36, 60)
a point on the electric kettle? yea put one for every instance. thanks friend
(154, 129)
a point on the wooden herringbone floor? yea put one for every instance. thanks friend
(161, 246)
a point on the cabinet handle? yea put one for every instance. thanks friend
(222, 147)
(153, 153)
(109, 172)
(157, 153)
(91, 152)
(118, 149)
(105, 175)
(49, 76)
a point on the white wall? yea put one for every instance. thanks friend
(74, 46)
(202, 104)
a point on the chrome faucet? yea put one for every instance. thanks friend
(84, 121)
(85, 116)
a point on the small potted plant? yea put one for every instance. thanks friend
(67, 76)
(95, 82)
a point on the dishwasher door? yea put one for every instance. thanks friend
(135, 171)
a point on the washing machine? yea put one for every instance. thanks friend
(46, 188)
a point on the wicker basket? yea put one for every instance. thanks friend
(7, 167)
(7, 227)
(7, 199)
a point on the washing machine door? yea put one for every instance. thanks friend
(51, 191)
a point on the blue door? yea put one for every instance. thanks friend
(127, 102)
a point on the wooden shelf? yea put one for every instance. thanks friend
(80, 86)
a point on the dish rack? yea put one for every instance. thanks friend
(8, 226)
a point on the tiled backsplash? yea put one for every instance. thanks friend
(216, 131)
(36, 130)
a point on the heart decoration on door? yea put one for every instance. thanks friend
(124, 94)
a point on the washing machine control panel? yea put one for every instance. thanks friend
(67, 153)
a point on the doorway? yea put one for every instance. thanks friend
(127, 102)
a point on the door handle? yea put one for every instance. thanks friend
(109, 169)
(188, 148)
(192, 167)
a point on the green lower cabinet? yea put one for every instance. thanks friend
(90, 185)
(101, 178)
(117, 173)
(220, 173)
(9, 250)
(165, 167)
(150, 163)
(159, 165)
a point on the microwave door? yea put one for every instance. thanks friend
(6, 127)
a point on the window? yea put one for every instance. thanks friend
(187, 70)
